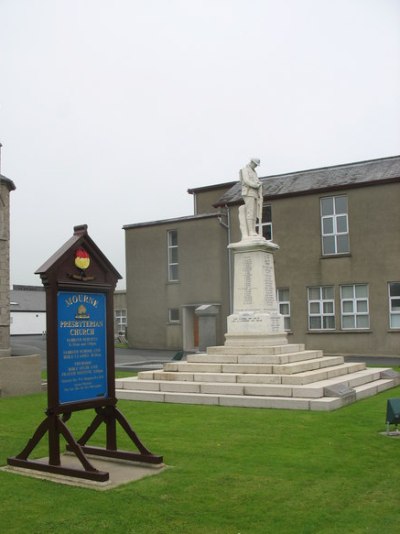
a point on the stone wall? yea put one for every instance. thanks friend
(5, 266)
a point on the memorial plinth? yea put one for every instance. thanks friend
(255, 319)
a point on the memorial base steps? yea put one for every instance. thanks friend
(283, 376)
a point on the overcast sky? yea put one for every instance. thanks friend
(110, 111)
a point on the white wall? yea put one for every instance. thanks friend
(27, 323)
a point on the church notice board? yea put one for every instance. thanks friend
(80, 282)
(82, 346)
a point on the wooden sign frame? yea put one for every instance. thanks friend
(80, 282)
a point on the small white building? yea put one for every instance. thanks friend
(27, 310)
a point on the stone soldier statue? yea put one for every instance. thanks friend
(253, 200)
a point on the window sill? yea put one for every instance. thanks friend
(331, 256)
(358, 331)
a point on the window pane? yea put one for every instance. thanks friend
(362, 306)
(283, 294)
(327, 206)
(347, 292)
(266, 216)
(314, 307)
(329, 322)
(173, 255)
(341, 205)
(284, 309)
(348, 321)
(173, 272)
(327, 225)
(343, 244)
(395, 305)
(362, 321)
(315, 323)
(341, 223)
(329, 245)
(267, 232)
(348, 306)
(327, 293)
(173, 238)
(395, 289)
(328, 307)
(174, 314)
(395, 321)
(362, 291)
(314, 293)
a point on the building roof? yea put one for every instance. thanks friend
(33, 299)
(350, 175)
(9, 183)
(205, 188)
(171, 221)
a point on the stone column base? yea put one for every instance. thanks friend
(255, 329)
(254, 340)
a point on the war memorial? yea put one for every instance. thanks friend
(257, 367)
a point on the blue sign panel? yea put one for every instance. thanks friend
(82, 352)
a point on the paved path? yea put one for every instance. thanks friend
(142, 359)
(125, 359)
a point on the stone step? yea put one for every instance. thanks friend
(289, 357)
(364, 383)
(353, 380)
(373, 388)
(288, 403)
(315, 390)
(222, 400)
(304, 378)
(217, 367)
(263, 350)
(250, 368)
(309, 365)
(323, 373)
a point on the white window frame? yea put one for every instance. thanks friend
(173, 262)
(335, 220)
(121, 318)
(394, 312)
(352, 307)
(323, 304)
(170, 315)
(284, 306)
(266, 223)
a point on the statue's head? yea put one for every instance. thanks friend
(255, 162)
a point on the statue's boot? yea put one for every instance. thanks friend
(252, 225)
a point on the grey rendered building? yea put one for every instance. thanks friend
(337, 270)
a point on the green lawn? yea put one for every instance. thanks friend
(232, 471)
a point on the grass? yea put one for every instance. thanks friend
(234, 471)
(119, 345)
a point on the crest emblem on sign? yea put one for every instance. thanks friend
(82, 262)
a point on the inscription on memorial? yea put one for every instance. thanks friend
(276, 324)
(268, 277)
(245, 288)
